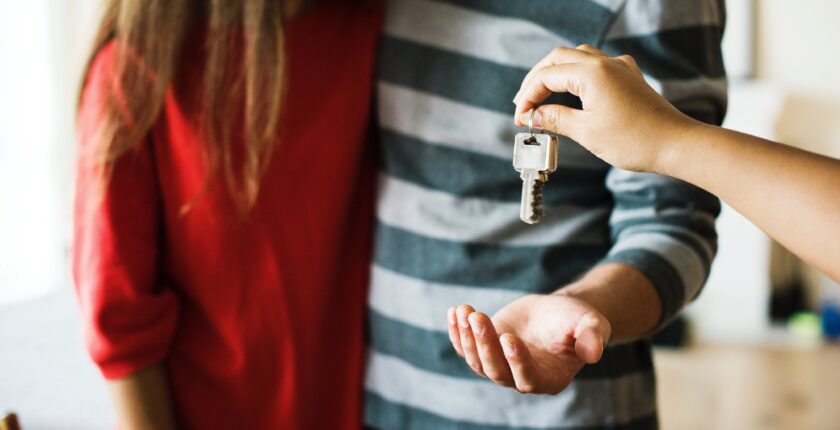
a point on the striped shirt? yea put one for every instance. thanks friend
(448, 228)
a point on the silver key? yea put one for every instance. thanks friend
(535, 157)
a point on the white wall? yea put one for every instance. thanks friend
(798, 51)
(43, 44)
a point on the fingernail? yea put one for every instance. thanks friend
(450, 315)
(526, 116)
(477, 328)
(462, 319)
(537, 118)
(507, 347)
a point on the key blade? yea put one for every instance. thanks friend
(531, 206)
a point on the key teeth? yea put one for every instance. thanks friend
(537, 200)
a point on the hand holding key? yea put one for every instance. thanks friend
(535, 157)
(623, 120)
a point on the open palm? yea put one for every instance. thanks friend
(536, 344)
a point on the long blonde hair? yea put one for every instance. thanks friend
(245, 83)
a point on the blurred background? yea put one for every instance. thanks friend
(752, 353)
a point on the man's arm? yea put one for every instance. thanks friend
(663, 229)
(623, 295)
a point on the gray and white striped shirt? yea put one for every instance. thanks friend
(448, 230)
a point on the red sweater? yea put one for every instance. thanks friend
(259, 320)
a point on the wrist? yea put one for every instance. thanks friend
(587, 291)
(676, 143)
(623, 295)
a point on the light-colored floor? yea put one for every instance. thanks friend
(749, 387)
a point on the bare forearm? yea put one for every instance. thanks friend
(793, 195)
(623, 295)
(142, 400)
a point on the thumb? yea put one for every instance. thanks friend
(591, 336)
(555, 118)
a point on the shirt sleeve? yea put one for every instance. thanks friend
(128, 315)
(662, 226)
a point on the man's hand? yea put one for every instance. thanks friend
(536, 344)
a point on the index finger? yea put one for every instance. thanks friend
(560, 55)
(454, 331)
(560, 78)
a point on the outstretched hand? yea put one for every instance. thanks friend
(536, 344)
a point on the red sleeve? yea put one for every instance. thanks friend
(129, 316)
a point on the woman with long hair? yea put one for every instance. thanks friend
(223, 210)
